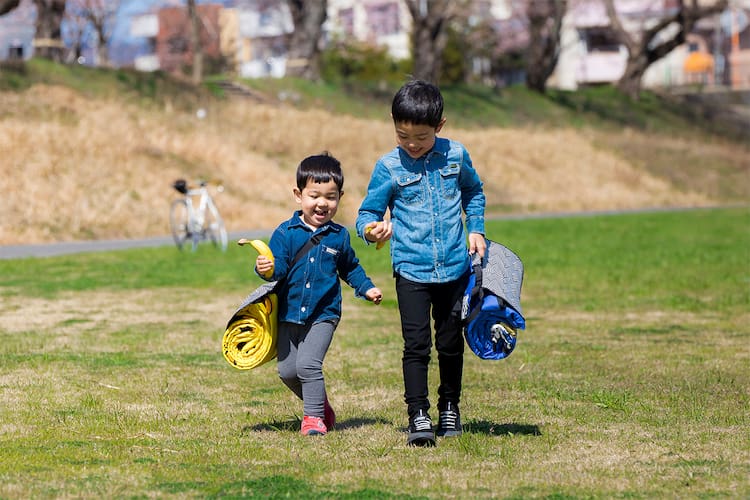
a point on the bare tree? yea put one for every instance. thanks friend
(651, 44)
(195, 41)
(76, 31)
(8, 5)
(545, 21)
(96, 16)
(48, 40)
(102, 16)
(429, 35)
(308, 17)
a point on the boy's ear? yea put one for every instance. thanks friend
(297, 195)
(341, 193)
(440, 125)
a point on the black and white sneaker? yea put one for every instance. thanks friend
(420, 430)
(449, 423)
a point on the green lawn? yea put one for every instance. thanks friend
(631, 380)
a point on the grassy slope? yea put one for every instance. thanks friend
(66, 128)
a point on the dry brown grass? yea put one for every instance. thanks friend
(75, 168)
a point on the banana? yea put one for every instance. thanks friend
(380, 244)
(260, 247)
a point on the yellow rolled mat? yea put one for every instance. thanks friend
(250, 338)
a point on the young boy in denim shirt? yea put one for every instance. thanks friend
(310, 298)
(426, 182)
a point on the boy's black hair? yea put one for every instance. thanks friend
(320, 168)
(419, 103)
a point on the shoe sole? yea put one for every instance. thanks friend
(314, 433)
(449, 433)
(422, 439)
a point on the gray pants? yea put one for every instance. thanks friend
(301, 350)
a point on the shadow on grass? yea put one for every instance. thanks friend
(495, 429)
(294, 425)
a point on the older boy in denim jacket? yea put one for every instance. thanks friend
(426, 183)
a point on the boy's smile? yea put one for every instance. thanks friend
(319, 202)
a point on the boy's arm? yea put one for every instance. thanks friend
(472, 196)
(376, 200)
(352, 272)
(278, 246)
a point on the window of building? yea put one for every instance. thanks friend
(382, 18)
(600, 40)
(15, 52)
(346, 18)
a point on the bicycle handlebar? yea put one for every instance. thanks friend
(182, 186)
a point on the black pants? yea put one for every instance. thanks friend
(415, 302)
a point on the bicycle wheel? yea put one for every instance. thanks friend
(179, 219)
(215, 229)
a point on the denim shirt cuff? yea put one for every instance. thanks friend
(475, 225)
(361, 291)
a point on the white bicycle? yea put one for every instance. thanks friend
(194, 217)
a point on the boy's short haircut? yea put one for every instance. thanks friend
(320, 168)
(419, 103)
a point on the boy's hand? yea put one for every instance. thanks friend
(477, 244)
(379, 232)
(374, 295)
(264, 265)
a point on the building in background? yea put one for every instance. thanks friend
(591, 55)
(168, 34)
(17, 33)
(250, 38)
(382, 23)
(264, 27)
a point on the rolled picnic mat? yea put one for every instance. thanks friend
(250, 337)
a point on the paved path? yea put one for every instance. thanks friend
(53, 249)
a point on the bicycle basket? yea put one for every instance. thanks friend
(181, 186)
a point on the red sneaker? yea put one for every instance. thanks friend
(313, 426)
(329, 416)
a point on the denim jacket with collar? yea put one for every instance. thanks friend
(311, 291)
(426, 198)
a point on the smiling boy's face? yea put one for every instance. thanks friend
(416, 140)
(319, 202)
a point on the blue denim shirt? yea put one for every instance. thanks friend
(426, 198)
(311, 291)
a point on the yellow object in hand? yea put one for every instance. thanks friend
(263, 249)
(379, 244)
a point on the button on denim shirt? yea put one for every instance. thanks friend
(311, 291)
(426, 198)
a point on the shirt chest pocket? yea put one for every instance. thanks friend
(327, 260)
(410, 188)
(449, 180)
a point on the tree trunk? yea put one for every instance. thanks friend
(48, 40)
(195, 42)
(308, 17)
(429, 19)
(8, 5)
(545, 21)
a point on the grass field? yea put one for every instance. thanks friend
(632, 379)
